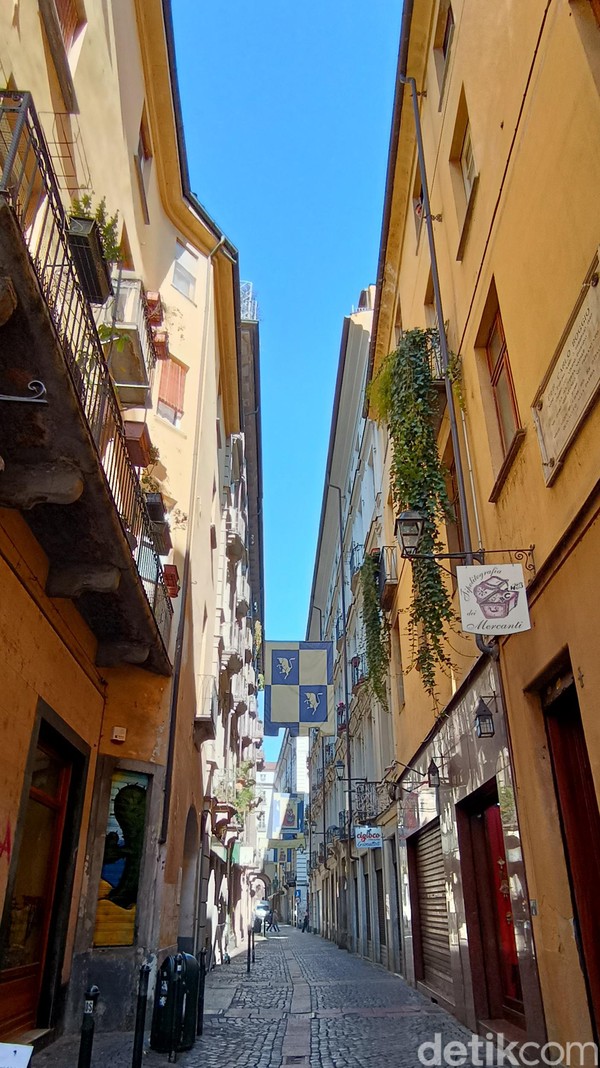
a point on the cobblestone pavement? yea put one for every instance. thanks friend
(306, 1004)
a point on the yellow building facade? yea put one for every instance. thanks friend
(500, 861)
(126, 603)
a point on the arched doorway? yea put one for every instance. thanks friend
(187, 907)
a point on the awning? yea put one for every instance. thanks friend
(218, 849)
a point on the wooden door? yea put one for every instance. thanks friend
(33, 892)
(580, 823)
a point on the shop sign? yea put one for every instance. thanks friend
(493, 599)
(368, 837)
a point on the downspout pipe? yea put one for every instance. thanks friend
(185, 580)
(349, 897)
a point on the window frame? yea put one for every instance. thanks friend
(143, 163)
(499, 368)
(442, 44)
(181, 249)
(172, 412)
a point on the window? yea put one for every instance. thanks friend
(442, 42)
(502, 384)
(467, 163)
(463, 172)
(171, 390)
(184, 271)
(69, 20)
(417, 199)
(143, 163)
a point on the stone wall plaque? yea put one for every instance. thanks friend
(573, 381)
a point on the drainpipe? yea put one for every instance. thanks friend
(349, 900)
(490, 649)
(186, 563)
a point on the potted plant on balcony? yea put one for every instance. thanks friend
(93, 240)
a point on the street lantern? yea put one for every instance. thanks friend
(410, 527)
(433, 774)
(339, 770)
(484, 720)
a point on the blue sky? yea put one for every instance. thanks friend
(287, 113)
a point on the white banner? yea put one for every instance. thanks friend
(493, 599)
(368, 837)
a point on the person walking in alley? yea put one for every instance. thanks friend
(274, 921)
(305, 922)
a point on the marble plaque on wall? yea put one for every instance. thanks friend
(572, 383)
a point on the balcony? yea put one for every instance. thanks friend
(63, 442)
(259, 732)
(357, 554)
(260, 759)
(235, 526)
(232, 657)
(388, 576)
(239, 693)
(252, 705)
(329, 753)
(128, 339)
(358, 667)
(207, 709)
(343, 826)
(339, 632)
(242, 606)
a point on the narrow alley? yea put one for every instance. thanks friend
(305, 1003)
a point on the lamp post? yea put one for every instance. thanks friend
(349, 898)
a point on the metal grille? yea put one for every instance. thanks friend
(433, 910)
(29, 185)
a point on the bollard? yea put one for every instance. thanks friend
(249, 950)
(176, 1021)
(201, 982)
(253, 945)
(140, 1017)
(87, 1027)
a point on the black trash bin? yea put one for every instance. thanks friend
(257, 925)
(175, 1004)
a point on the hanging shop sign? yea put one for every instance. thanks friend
(368, 837)
(493, 599)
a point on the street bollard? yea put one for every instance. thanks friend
(140, 1017)
(253, 945)
(177, 1018)
(201, 982)
(87, 1027)
(249, 950)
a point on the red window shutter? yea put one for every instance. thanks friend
(68, 17)
(172, 384)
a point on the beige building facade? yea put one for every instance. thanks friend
(130, 524)
(500, 860)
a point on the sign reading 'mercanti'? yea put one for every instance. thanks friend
(493, 599)
(368, 837)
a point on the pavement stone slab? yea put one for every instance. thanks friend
(305, 1004)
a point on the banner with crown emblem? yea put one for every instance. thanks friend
(299, 687)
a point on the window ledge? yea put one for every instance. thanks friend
(513, 450)
(466, 226)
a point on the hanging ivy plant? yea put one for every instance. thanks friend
(403, 395)
(377, 634)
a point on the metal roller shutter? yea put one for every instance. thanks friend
(433, 911)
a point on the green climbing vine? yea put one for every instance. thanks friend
(377, 634)
(402, 395)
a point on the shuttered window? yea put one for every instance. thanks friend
(185, 270)
(171, 388)
(69, 19)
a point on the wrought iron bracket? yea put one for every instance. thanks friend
(38, 388)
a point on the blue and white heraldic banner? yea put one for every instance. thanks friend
(299, 687)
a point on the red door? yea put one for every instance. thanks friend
(580, 821)
(33, 892)
(510, 980)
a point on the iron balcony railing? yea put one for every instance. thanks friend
(29, 185)
(359, 669)
(370, 800)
